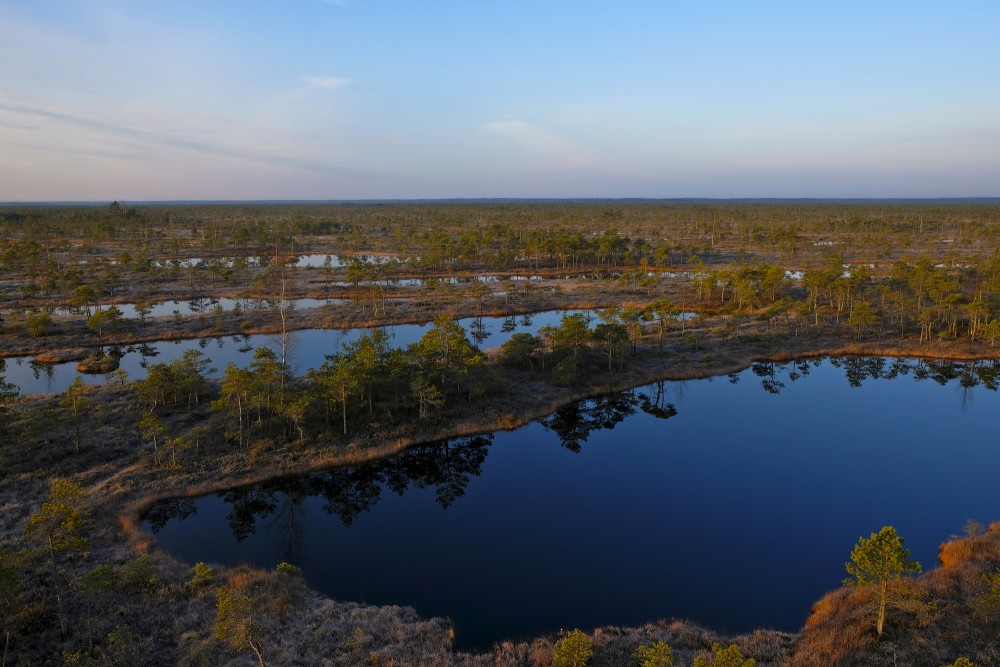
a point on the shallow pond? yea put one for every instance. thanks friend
(311, 260)
(206, 307)
(732, 501)
(309, 348)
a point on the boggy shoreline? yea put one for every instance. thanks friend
(120, 492)
(536, 399)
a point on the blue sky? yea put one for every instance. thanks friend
(353, 99)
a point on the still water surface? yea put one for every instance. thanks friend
(309, 349)
(732, 501)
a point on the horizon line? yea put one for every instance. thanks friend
(444, 200)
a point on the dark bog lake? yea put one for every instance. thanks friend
(733, 502)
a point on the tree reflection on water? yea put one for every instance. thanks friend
(447, 466)
(347, 491)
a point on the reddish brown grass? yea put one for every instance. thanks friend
(985, 548)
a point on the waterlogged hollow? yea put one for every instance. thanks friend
(732, 501)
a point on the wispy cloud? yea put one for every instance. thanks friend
(544, 142)
(328, 82)
(144, 137)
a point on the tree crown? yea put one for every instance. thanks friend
(879, 558)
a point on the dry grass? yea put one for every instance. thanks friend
(962, 551)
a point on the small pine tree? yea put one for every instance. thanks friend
(573, 650)
(288, 570)
(203, 576)
(961, 662)
(728, 656)
(879, 560)
(59, 527)
(236, 622)
(76, 402)
(657, 655)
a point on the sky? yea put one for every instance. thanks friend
(139, 100)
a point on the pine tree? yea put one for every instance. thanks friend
(877, 561)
